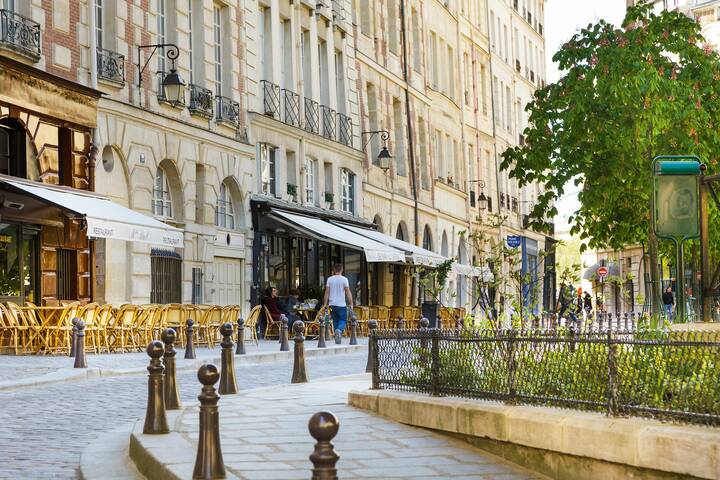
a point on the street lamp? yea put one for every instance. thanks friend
(384, 156)
(482, 200)
(173, 86)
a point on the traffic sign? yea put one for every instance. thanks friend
(602, 272)
(513, 241)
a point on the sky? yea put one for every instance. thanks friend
(564, 18)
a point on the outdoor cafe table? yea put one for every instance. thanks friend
(47, 317)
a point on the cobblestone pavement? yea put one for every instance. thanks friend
(44, 429)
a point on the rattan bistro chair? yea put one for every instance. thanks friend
(17, 333)
(363, 317)
(251, 324)
(272, 326)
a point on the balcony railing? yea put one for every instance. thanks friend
(345, 133)
(339, 15)
(271, 99)
(201, 101)
(228, 111)
(111, 66)
(328, 122)
(312, 116)
(20, 34)
(291, 107)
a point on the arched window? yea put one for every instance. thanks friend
(161, 203)
(224, 210)
(427, 238)
(400, 235)
(4, 152)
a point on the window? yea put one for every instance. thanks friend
(161, 203)
(310, 174)
(161, 32)
(366, 17)
(66, 272)
(268, 155)
(348, 191)
(99, 17)
(197, 284)
(224, 211)
(165, 276)
(10, 5)
(400, 163)
(190, 37)
(393, 26)
(5, 151)
(433, 60)
(217, 49)
(417, 59)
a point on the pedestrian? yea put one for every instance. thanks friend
(668, 302)
(337, 290)
(587, 303)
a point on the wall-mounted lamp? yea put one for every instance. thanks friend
(173, 86)
(384, 156)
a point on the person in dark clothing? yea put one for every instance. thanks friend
(587, 303)
(668, 302)
(270, 300)
(565, 302)
(289, 307)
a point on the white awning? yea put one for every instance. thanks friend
(470, 271)
(418, 255)
(315, 227)
(104, 218)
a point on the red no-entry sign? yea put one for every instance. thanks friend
(602, 272)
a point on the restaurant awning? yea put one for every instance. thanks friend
(317, 228)
(104, 218)
(471, 271)
(417, 255)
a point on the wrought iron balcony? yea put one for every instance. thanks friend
(201, 101)
(228, 111)
(20, 34)
(291, 107)
(345, 133)
(111, 66)
(271, 98)
(312, 116)
(328, 122)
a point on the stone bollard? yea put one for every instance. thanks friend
(283, 334)
(155, 418)
(73, 337)
(321, 334)
(80, 359)
(353, 329)
(370, 360)
(323, 427)
(228, 382)
(240, 349)
(170, 386)
(208, 461)
(190, 345)
(299, 374)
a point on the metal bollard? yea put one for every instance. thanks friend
(370, 362)
(458, 324)
(190, 345)
(323, 427)
(610, 321)
(208, 461)
(299, 374)
(601, 321)
(155, 418)
(80, 359)
(73, 337)
(228, 382)
(627, 320)
(283, 334)
(632, 321)
(170, 386)
(400, 323)
(321, 334)
(240, 349)
(353, 329)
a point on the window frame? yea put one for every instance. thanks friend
(347, 186)
(162, 199)
(310, 178)
(224, 208)
(268, 169)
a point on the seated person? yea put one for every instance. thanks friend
(270, 300)
(289, 310)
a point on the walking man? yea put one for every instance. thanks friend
(668, 302)
(337, 290)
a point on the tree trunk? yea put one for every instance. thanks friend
(653, 267)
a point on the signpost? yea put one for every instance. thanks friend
(676, 198)
(602, 272)
(513, 241)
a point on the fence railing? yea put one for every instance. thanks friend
(328, 122)
(345, 132)
(228, 111)
(666, 375)
(271, 98)
(291, 107)
(312, 115)
(201, 101)
(111, 66)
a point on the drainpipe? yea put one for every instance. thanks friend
(92, 20)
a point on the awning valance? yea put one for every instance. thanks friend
(317, 228)
(418, 255)
(104, 218)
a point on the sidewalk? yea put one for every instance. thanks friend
(264, 435)
(32, 370)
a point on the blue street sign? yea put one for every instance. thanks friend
(513, 241)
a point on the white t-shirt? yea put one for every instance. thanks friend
(336, 285)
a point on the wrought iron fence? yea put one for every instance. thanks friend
(228, 111)
(667, 375)
(291, 107)
(111, 66)
(201, 101)
(328, 122)
(271, 98)
(20, 33)
(344, 129)
(312, 115)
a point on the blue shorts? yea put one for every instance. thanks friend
(339, 316)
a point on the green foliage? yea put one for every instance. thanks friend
(627, 95)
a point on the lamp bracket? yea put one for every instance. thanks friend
(172, 53)
(384, 136)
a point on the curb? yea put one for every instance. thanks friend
(72, 374)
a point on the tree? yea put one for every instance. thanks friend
(627, 95)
